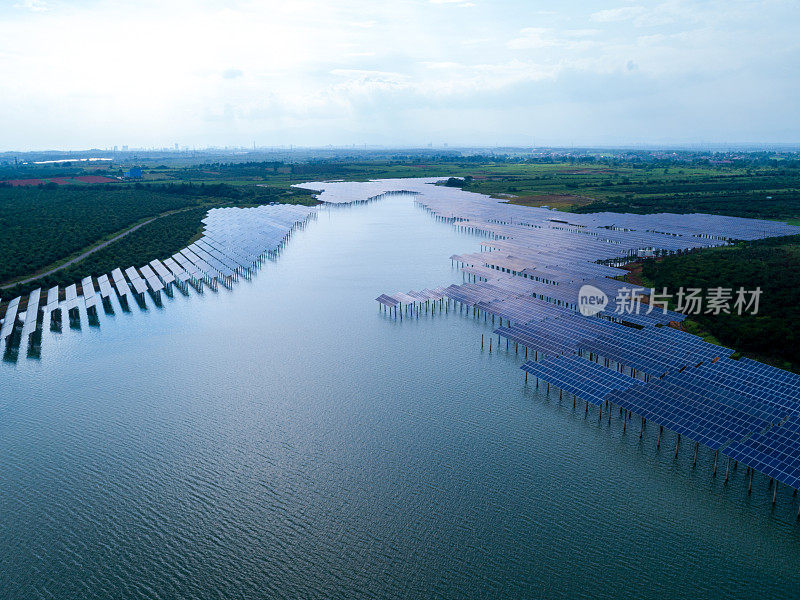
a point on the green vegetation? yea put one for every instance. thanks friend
(41, 226)
(754, 186)
(772, 264)
(159, 239)
(768, 192)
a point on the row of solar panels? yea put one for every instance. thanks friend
(521, 300)
(758, 425)
(537, 262)
(412, 297)
(234, 241)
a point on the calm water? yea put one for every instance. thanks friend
(286, 439)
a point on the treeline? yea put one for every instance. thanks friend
(766, 193)
(756, 205)
(232, 194)
(40, 226)
(772, 265)
(159, 239)
(44, 171)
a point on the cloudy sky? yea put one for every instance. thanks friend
(79, 73)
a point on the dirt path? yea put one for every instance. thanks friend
(80, 257)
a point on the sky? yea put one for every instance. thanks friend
(147, 73)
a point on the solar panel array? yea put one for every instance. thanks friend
(580, 377)
(234, 242)
(775, 452)
(631, 231)
(653, 351)
(529, 273)
(535, 263)
(700, 417)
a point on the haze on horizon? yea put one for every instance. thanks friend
(467, 72)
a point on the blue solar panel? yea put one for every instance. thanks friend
(585, 379)
(775, 452)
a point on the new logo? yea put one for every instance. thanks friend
(591, 300)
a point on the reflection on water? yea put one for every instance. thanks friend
(289, 439)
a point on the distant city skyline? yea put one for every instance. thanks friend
(411, 73)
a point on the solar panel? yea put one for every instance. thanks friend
(52, 299)
(72, 301)
(119, 282)
(585, 379)
(10, 319)
(162, 272)
(152, 280)
(105, 286)
(178, 271)
(89, 297)
(139, 286)
(775, 452)
(32, 313)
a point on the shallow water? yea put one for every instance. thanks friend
(288, 439)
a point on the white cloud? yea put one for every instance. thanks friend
(623, 13)
(32, 5)
(540, 37)
(312, 71)
(459, 3)
(365, 74)
(533, 37)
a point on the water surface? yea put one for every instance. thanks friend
(288, 439)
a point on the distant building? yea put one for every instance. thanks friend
(133, 173)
